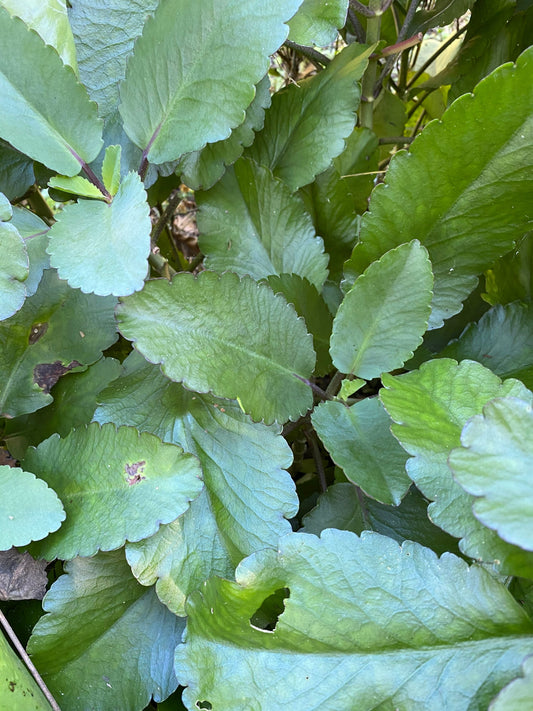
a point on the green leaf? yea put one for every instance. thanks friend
(383, 317)
(34, 232)
(18, 689)
(359, 440)
(103, 249)
(33, 118)
(502, 340)
(76, 186)
(429, 407)
(16, 172)
(50, 20)
(178, 94)
(116, 485)
(250, 223)
(517, 695)
(106, 642)
(14, 270)
(511, 277)
(468, 219)
(442, 13)
(317, 22)
(207, 333)
(494, 464)
(349, 387)
(310, 305)
(6, 211)
(202, 169)
(400, 628)
(111, 169)
(336, 197)
(247, 495)
(307, 123)
(343, 507)
(56, 330)
(29, 510)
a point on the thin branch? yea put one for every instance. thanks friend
(27, 661)
(93, 178)
(356, 26)
(317, 58)
(419, 103)
(160, 264)
(368, 172)
(334, 384)
(321, 394)
(362, 9)
(408, 19)
(433, 57)
(173, 203)
(393, 140)
(317, 457)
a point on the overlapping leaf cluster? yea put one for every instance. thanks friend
(244, 477)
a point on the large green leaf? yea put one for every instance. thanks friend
(316, 22)
(445, 192)
(337, 195)
(16, 172)
(511, 277)
(202, 169)
(359, 440)
(251, 223)
(307, 123)
(439, 14)
(181, 93)
(116, 485)
(29, 510)
(247, 495)
(502, 340)
(18, 690)
(383, 317)
(33, 118)
(366, 624)
(517, 695)
(106, 642)
(49, 19)
(342, 506)
(56, 330)
(429, 407)
(34, 232)
(14, 270)
(103, 248)
(494, 464)
(227, 335)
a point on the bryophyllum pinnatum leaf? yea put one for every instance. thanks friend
(103, 248)
(247, 498)
(56, 330)
(430, 407)
(115, 484)
(517, 695)
(201, 169)
(16, 171)
(76, 185)
(366, 624)
(33, 118)
(106, 642)
(251, 223)
(306, 125)
(494, 464)
(317, 22)
(29, 510)
(502, 340)
(18, 688)
(470, 217)
(383, 317)
(178, 94)
(34, 232)
(511, 277)
(359, 440)
(14, 270)
(227, 335)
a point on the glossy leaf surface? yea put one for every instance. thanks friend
(14, 270)
(317, 22)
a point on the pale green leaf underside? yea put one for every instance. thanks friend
(383, 317)
(76, 185)
(56, 330)
(227, 335)
(401, 629)
(50, 20)
(475, 193)
(33, 118)
(101, 248)
(14, 270)
(517, 695)
(494, 464)
(247, 496)
(251, 223)
(106, 642)
(29, 510)
(116, 485)
(429, 407)
(359, 440)
(316, 22)
(179, 93)
(306, 125)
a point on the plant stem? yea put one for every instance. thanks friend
(315, 388)
(334, 384)
(40, 206)
(27, 661)
(373, 27)
(317, 58)
(161, 265)
(315, 450)
(357, 28)
(173, 202)
(433, 57)
(93, 178)
(392, 140)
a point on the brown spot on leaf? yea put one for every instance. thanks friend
(134, 472)
(6, 458)
(46, 375)
(12, 685)
(37, 331)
